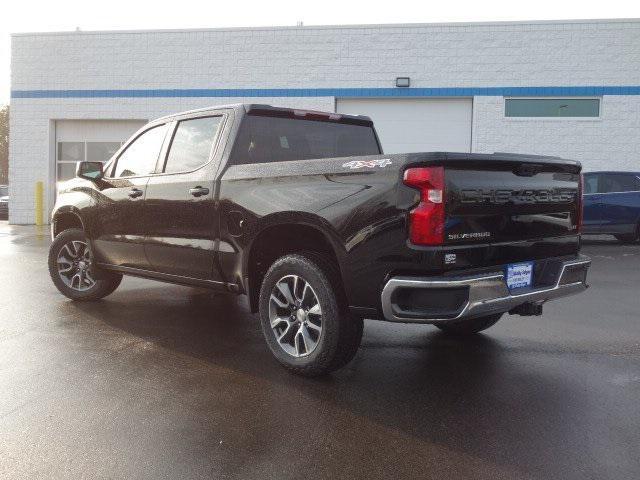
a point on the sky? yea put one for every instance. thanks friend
(64, 15)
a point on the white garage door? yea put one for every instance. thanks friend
(417, 125)
(91, 140)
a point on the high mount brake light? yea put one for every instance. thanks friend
(427, 220)
(317, 115)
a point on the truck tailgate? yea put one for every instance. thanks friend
(510, 201)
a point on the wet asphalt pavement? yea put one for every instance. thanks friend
(160, 381)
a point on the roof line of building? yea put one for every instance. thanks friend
(333, 27)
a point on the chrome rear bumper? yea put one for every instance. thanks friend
(480, 295)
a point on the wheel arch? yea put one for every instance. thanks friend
(283, 234)
(64, 219)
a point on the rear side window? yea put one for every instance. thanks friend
(141, 155)
(264, 139)
(192, 143)
(616, 182)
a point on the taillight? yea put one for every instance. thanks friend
(580, 206)
(426, 221)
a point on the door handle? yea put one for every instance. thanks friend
(199, 191)
(135, 193)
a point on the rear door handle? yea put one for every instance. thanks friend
(199, 191)
(135, 193)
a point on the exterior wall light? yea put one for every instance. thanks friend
(403, 82)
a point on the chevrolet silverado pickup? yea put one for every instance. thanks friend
(302, 212)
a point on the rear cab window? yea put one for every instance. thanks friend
(268, 138)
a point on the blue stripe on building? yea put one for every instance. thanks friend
(332, 92)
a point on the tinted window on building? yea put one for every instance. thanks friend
(552, 107)
(275, 139)
(191, 145)
(616, 182)
(141, 156)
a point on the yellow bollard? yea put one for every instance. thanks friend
(39, 203)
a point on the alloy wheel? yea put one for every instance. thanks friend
(74, 265)
(295, 315)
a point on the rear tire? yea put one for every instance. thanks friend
(470, 326)
(304, 316)
(72, 272)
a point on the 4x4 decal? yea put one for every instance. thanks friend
(367, 163)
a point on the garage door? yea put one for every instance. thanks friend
(417, 125)
(92, 140)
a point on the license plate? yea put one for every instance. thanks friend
(519, 275)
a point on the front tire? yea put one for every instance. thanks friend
(304, 316)
(470, 326)
(71, 269)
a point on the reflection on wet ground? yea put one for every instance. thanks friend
(159, 381)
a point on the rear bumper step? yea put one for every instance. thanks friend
(441, 300)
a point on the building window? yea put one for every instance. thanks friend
(552, 107)
(101, 151)
(70, 153)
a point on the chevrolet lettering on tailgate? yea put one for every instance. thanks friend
(517, 197)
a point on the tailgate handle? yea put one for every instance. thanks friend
(528, 169)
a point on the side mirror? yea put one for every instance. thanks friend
(89, 170)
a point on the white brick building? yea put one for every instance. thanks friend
(77, 95)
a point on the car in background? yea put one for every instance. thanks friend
(612, 205)
(4, 202)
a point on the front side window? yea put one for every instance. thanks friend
(552, 107)
(191, 145)
(615, 182)
(275, 139)
(141, 156)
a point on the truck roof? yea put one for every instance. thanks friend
(277, 111)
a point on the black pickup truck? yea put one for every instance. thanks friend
(302, 212)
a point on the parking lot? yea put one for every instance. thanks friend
(160, 381)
